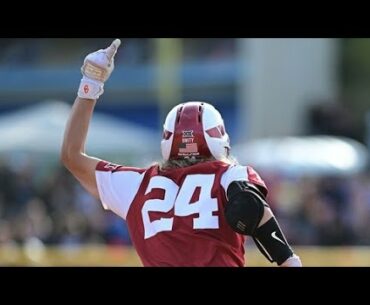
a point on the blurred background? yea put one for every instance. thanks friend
(297, 110)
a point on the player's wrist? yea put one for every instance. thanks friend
(90, 89)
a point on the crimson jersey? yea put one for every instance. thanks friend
(175, 217)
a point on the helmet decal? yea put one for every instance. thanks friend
(194, 129)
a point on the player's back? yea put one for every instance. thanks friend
(176, 216)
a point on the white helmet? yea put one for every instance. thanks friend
(194, 129)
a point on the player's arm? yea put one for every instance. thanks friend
(248, 213)
(96, 70)
(73, 154)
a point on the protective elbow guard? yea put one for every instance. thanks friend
(244, 209)
(272, 243)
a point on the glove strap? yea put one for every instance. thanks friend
(94, 71)
(90, 89)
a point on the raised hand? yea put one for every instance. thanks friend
(96, 69)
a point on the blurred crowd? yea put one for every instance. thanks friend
(58, 211)
(329, 210)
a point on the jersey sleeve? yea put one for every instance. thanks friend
(243, 173)
(118, 186)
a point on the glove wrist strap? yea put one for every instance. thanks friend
(90, 89)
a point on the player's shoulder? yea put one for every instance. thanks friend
(246, 170)
(238, 172)
(105, 166)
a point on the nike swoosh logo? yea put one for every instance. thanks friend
(273, 234)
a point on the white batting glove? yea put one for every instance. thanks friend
(96, 70)
(293, 261)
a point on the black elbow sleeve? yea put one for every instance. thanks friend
(244, 210)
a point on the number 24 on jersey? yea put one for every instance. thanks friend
(179, 198)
